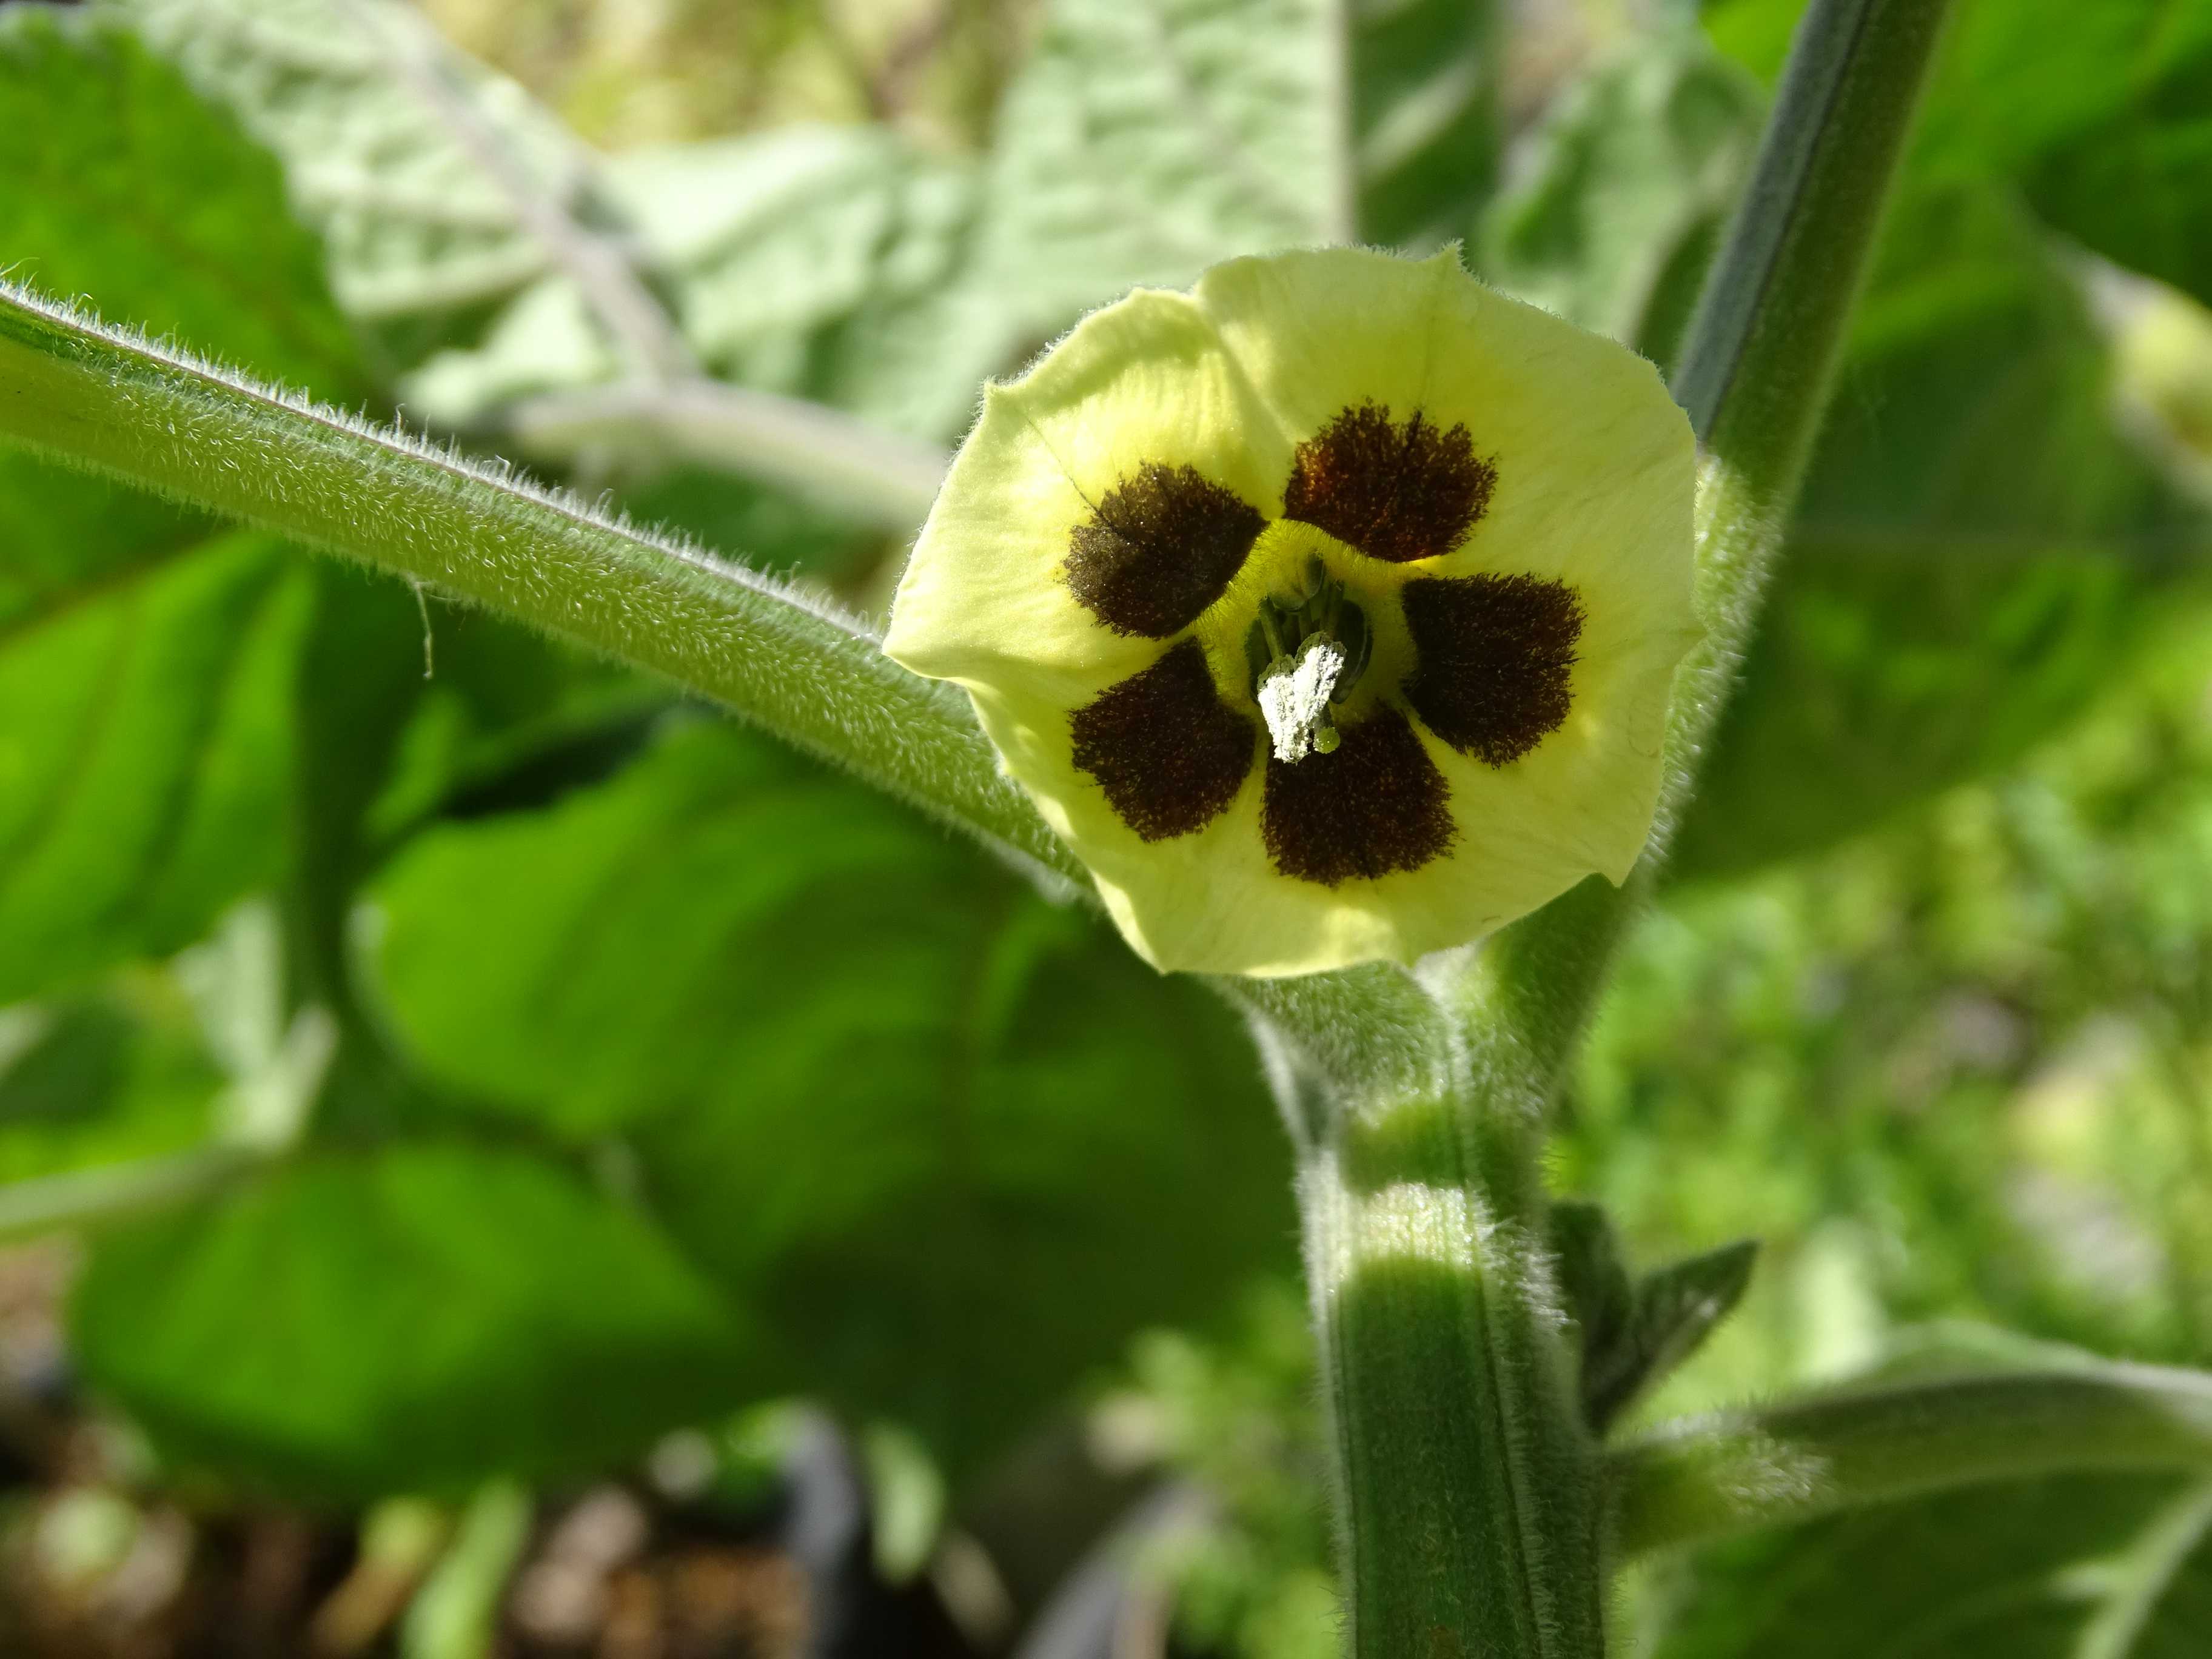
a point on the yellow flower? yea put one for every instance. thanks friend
(1327, 610)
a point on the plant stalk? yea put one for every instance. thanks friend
(90, 396)
(1470, 1494)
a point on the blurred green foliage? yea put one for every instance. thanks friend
(662, 1072)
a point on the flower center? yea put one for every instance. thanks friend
(1294, 695)
(1306, 648)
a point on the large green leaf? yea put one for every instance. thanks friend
(144, 738)
(2074, 1568)
(116, 183)
(422, 239)
(1974, 549)
(2100, 114)
(149, 658)
(951, 1143)
(415, 1315)
(1141, 141)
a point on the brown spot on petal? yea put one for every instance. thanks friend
(1394, 492)
(1169, 754)
(1375, 806)
(1495, 655)
(1159, 548)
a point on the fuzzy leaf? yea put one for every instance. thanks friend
(1140, 142)
(421, 238)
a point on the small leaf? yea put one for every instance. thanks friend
(1675, 1309)
(117, 1074)
(1633, 1332)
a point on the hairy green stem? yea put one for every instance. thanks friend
(1739, 1472)
(1470, 1494)
(86, 395)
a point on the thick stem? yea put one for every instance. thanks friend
(1741, 1472)
(1467, 1483)
(90, 396)
(1468, 1489)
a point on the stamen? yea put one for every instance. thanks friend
(1294, 698)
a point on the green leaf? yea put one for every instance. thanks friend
(117, 184)
(1619, 197)
(119, 1073)
(423, 240)
(2073, 1567)
(949, 1143)
(411, 1317)
(1975, 548)
(1425, 117)
(2100, 115)
(1142, 141)
(144, 735)
(1633, 1332)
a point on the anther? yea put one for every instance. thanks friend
(1294, 697)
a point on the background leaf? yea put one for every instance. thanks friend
(1425, 125)
(410, 1315)
(144, 736)
(1141, 141)
(1619, 197)
(949, 1144)
(2073, 1568)
(1976, 548)
(2100, 115)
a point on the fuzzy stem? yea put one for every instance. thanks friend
(87, 395)
(1740, 1472)
(1469, 1491)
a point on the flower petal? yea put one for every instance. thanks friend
(1144, 383)
(1163, 544)
(1495, 655)
(1397, 490)
(1371, 808)
(1169, 753)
